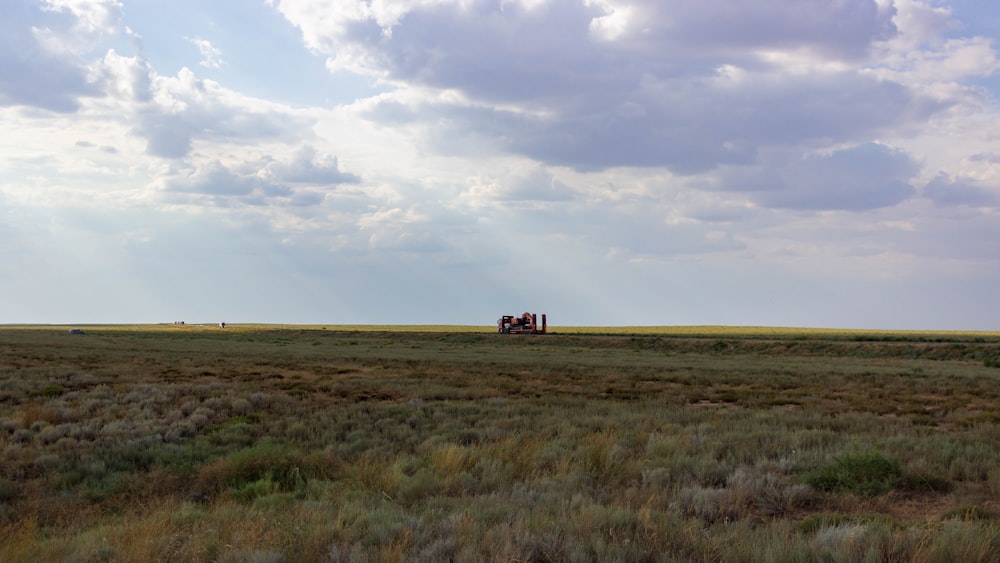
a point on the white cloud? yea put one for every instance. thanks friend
(535, 186)
(614, 23)
(211, 56)
(186, 108)
(38, 65)
(309, 167)
(920, 23)
(93, 20)
(298, 181)
(127, 78)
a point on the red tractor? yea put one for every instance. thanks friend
(525, 324)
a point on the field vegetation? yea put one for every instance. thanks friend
(267, 443)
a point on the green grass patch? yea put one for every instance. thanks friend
(815, 522)
(51, 390)
(265, 468)
(971, 513)
(867, 474)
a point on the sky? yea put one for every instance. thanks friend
(813, 163)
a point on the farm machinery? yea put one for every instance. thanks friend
(525, 324)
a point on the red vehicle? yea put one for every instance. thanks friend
(525, 324)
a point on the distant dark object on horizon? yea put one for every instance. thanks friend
(222, 325)
(77, 331)
(525, 324)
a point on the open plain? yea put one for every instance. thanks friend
(267, 443)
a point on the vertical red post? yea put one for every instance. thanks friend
(544, 324)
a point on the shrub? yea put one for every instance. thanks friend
(51, 434)
(51, 390)
(268, 485)
(709, 504)
(9, 490)
(451, 459)
(46, 462)
(868, 474)
(375, 473)
(923, 483)
(266, 465)
(603, 459)
(766, 492)
(22, 436)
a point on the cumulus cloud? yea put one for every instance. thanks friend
(167, 135)
(297, 181)
(946, 190)
(763, 25)
(695, 126)
(921, 23)
(457, 43)
(538, 185)
(596, 85)
(991, 158)
(185, 108)
(92, 19)
(869, 176)
(309, 167)
(687, 126)
(215, 179)
(43, 46)
(35, 70)
(126, 78)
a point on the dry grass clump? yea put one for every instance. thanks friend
(747, 492)
(285, 445)
(263, 469)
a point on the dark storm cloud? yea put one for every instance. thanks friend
(946, 190)
(509, 53)
(866, 177)
(686, 126)
(991, 158)
(839, 29)
(694, 127)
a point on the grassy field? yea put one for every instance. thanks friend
(370, 443)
